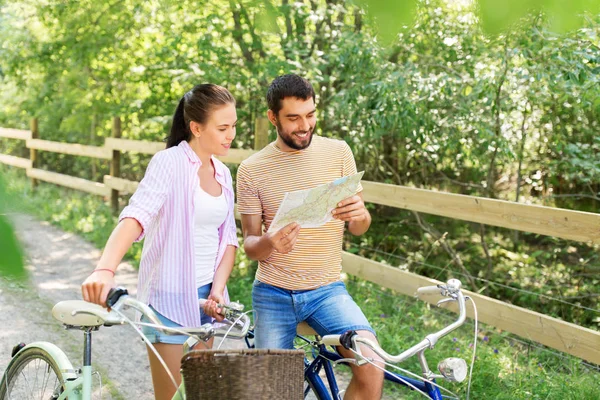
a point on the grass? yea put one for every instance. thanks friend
(506, 367)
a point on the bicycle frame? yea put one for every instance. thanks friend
(324, 359)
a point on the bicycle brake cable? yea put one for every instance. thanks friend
(474, 347)
(145, 339)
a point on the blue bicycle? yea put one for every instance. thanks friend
(451, 369)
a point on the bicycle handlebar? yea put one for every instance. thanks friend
(452, 290)
(429, 290)
(118, 298)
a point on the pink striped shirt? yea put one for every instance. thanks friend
(163, 204)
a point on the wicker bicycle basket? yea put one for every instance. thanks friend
(255, 374)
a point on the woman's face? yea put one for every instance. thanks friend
(215, 136)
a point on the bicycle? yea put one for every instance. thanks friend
(42, 368)
(451, 369)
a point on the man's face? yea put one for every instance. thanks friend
(295, 122)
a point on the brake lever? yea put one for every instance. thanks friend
(360, 359)
(446, 300)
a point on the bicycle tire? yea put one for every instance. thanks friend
(51, 382)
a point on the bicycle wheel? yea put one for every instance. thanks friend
(33, 373)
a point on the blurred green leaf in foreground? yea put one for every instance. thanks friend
(496, 16)
(11, 256)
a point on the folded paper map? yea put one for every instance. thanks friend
(312, 208)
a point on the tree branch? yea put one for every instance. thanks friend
(453, 254)
(578, 195)
(486, 250)
(358, 20)
(237, 32)
(256, 42)
(498, 125)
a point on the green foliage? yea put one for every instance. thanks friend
(443, 104)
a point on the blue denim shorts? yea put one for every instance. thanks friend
(158, 336)
(329, 310)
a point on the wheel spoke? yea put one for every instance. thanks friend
(46, 379)
(37, 372)
(26, 380)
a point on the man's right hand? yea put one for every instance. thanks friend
(96, 287)
(284, 239)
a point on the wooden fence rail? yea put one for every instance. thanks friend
(15, 134)
(573, 225)
(549, 221)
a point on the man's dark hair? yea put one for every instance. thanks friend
(290, 85)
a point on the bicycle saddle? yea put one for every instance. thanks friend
(80, 313)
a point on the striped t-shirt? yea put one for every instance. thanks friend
(262, 181)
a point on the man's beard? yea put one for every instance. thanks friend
(288, 139)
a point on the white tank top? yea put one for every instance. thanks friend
(209, 214)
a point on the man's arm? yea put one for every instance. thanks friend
(259, 246)
(353, 211)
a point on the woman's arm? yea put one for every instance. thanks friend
(95, 288)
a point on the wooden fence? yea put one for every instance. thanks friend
(573, 225)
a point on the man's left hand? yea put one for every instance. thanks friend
(351, 209)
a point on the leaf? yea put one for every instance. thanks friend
(266, 18)
(497, 16)
(389, 15)
(11, 262)
(11, 256)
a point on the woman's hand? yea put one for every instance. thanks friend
(96, 287)
(210, 306)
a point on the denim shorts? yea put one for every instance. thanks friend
(329, 310)
(158, 336)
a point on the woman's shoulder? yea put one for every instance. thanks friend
(172, 154)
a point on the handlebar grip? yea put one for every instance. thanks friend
(429, 290)
(331, 340)
(114, 295)
(345, 339)
(202, 302)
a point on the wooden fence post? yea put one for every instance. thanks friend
(94, 162)
(35, 134)
(115, 165)
(261, 133)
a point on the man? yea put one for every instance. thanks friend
(298, 277)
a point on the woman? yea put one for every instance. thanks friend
(184, 208)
